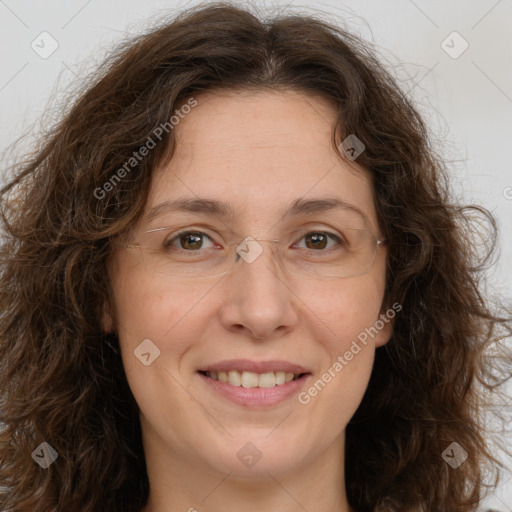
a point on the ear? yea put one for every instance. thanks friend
(106, 319)
(385, 333)
(385, 324)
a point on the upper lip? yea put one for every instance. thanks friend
(246, 365)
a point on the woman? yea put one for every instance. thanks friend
(233, 280)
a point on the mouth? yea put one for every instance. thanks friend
(248, 379)
(254, 384)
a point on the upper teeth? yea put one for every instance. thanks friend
(251, 379)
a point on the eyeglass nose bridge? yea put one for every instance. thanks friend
(249, 251)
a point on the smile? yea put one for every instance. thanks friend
(253, 379)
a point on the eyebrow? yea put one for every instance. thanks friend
(222, 209)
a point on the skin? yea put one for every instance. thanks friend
(259, 151)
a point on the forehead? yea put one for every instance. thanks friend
(259, 151)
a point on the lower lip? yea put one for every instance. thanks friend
(256, 397)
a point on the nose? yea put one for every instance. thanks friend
(258, 296)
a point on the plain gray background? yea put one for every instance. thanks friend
(464, 93)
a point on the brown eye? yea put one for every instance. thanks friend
(188, 240)
(318, 240)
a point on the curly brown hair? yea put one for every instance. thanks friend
(62, 379)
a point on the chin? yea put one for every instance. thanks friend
(253, 456)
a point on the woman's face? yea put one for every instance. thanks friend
(258, 152)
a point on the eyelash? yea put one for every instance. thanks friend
(169, 243)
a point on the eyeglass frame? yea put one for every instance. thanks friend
(137, 246)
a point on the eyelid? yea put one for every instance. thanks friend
(209, 232)
(236, 236)
(192, 227)
(172, 239)
(303, 221)
(298, 234)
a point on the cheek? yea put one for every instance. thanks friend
(344, 312)
(345, 308)
(145, 309)
(149, 308)
(347, 311)
(144, 303)
(167, 313)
